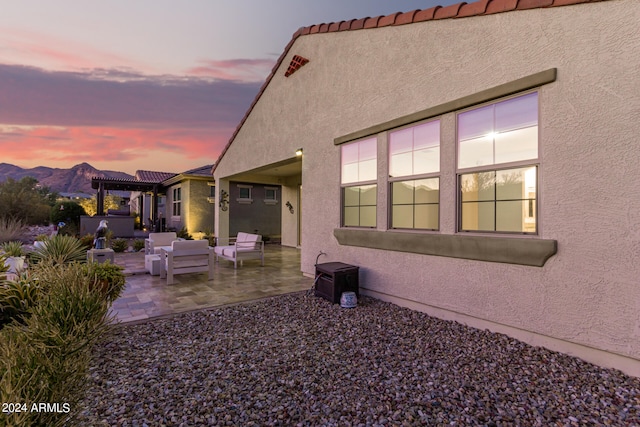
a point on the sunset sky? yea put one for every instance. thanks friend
(144, 84)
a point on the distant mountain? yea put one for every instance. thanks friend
(74, 180)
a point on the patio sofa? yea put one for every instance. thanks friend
(246, 246)
(186, 256)
(155, 240)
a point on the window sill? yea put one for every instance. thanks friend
(244, 201)
(509, 250)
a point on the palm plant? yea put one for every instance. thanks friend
(60, 249)
(13, 248)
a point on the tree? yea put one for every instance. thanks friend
(91, 205)
(25, 200)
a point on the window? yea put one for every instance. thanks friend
(415, 152)
(244, 193)
(177, 201)
(359, 167)
(503, 133)
(270, 195)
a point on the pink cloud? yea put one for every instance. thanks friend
(249, 70)
(28, 47)
(139, 148)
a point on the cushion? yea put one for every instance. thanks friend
(189, 244)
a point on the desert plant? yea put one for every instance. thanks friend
(138, 245)
(12, 248)
(109, 278)
(42, 238)
(60, 249)
(47, 359)
(119, 245)
(10, 229)
(17, 297)
(87, 240)
(184, 234)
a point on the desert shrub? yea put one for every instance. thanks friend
(87, 241)
(17, 297)
(42, 238)
(109, 278)
(12, 248)
(10, 229)
(119, 245)
(60, 249)
(183, 233)
(138, 245)
(47, 358)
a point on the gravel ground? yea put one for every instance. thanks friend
(299, 360)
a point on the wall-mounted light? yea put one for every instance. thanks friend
(288, 204)
(299, 152)
(224, 200)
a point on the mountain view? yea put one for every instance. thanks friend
(75, 179)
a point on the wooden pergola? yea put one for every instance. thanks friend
(104, 184)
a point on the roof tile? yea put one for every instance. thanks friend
(344, 25)
(358, 23)
(324, 28)
(388, 20)
(334, 26)
(372, 22)
(497, 6)
(449, 11)
(314, 29)
(405, 18)
(569, 2)
(475, 8)
(426, 14)
(532, 4)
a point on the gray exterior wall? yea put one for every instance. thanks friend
(257, 216)
(585, 300)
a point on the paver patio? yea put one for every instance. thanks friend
(147, 296)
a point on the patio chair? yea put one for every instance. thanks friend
(246, 246)
(186, 256)
(155, 240)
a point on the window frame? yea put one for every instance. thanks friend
(358, 184)
(413, 177)
(497, 167)
(176, 202)
(244, 200)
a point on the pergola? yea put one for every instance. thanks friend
(104, 184)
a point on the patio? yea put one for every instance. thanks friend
(147, 296)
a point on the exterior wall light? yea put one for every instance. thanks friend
(299, 152)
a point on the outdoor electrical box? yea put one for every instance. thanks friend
(334, 278)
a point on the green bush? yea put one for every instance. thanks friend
(67, 212)
(47, 358)
(184, 234)
(109, 278)
(138, 245)
(12, 248)
(60, 249)
(119, 245)
(10, 229)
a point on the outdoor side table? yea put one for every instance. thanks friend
(100, 255)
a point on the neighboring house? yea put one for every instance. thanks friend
(191, 201)
(477, 165)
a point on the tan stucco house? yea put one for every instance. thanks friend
(478, 162)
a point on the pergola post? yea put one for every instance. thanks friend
(154, 210)
(100, 197)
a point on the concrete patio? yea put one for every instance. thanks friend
(147, 296)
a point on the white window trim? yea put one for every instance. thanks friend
(273, 201)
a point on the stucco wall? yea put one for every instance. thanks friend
(589, 200)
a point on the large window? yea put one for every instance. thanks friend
(358, 178)
(497, 164)
(414, 153)
(177, 201)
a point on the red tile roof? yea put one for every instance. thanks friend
(459, 10)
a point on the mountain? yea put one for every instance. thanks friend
(74, 180)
